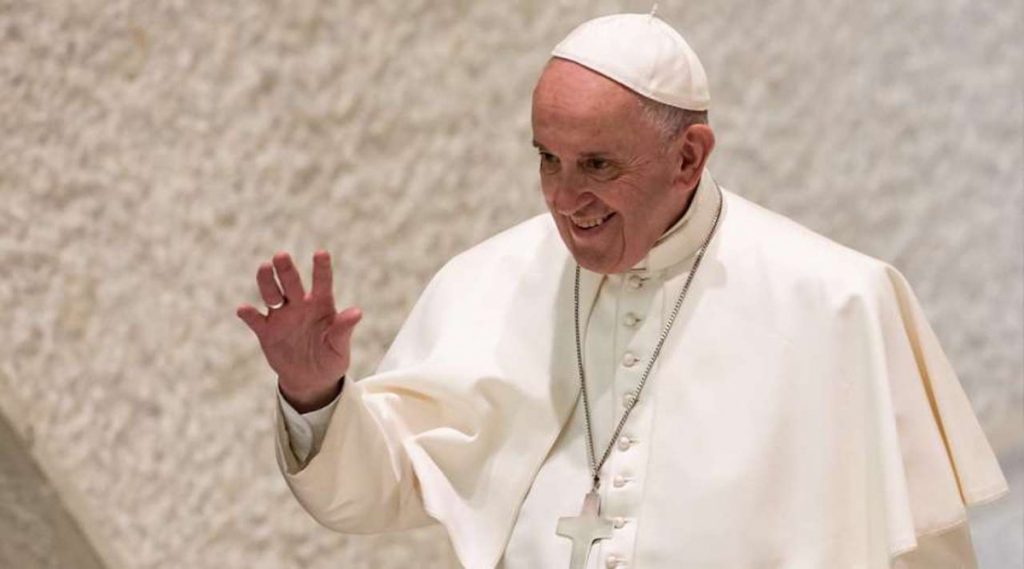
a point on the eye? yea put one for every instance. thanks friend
(601, 169)
(548, 162)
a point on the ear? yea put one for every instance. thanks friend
(694, 150)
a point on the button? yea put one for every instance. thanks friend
(636, 282)
(627, 399)
(624, 443)
(619, 522)
(619, 481)
(631, 320)
(629, 360)
(612, 561)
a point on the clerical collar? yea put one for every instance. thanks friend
(683, 240)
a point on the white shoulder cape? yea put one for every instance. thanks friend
(827, 391)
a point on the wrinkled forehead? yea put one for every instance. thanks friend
(568, 91)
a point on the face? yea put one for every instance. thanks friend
(611, 182)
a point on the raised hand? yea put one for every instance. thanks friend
(304, 340)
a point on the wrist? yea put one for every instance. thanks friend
(306, 400)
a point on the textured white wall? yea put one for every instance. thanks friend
(153, 153)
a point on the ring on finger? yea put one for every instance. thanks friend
(278, 305)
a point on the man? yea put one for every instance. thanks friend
(657, 374)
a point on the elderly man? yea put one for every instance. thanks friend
(657, 374)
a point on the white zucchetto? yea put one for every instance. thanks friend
(643, 53)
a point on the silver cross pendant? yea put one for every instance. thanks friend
(585, 529)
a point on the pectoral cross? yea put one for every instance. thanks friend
(585, 529)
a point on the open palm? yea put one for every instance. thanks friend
(302, 336)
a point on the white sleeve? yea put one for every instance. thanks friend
(306, 430)
(356, 478)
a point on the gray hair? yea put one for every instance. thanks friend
(669, 120)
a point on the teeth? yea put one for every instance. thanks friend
(588, 223)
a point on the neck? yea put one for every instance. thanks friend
(687, 202)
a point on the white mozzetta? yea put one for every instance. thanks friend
(802, 402)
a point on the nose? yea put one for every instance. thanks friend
(568, 192)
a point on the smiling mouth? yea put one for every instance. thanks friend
(589, 222)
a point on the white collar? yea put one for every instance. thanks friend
(684, 238)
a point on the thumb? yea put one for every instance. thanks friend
(339, 333)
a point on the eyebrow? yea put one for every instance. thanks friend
(594, 154)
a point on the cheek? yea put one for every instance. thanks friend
(547, 190)
(638, 207)
(629, 199)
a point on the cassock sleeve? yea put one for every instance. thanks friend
(941, 462)
(305, 430)
(356, 482)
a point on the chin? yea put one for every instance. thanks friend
(593, 261)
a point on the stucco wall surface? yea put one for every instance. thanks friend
(154, 153)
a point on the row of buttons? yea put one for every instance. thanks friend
(630, 359)
(614, 561)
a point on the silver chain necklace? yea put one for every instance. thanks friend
(595, 465)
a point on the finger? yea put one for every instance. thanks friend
(252, 318)
(339, 334)
(322, 278)
(291, 282)
(268, 286)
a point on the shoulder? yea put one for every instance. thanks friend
(466, 298)
(522, 244)
(493, 267)
(790, 252)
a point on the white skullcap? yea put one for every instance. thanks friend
(643, 53)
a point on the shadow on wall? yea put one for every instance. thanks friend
(37, 530)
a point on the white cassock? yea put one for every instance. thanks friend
(802, 414)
